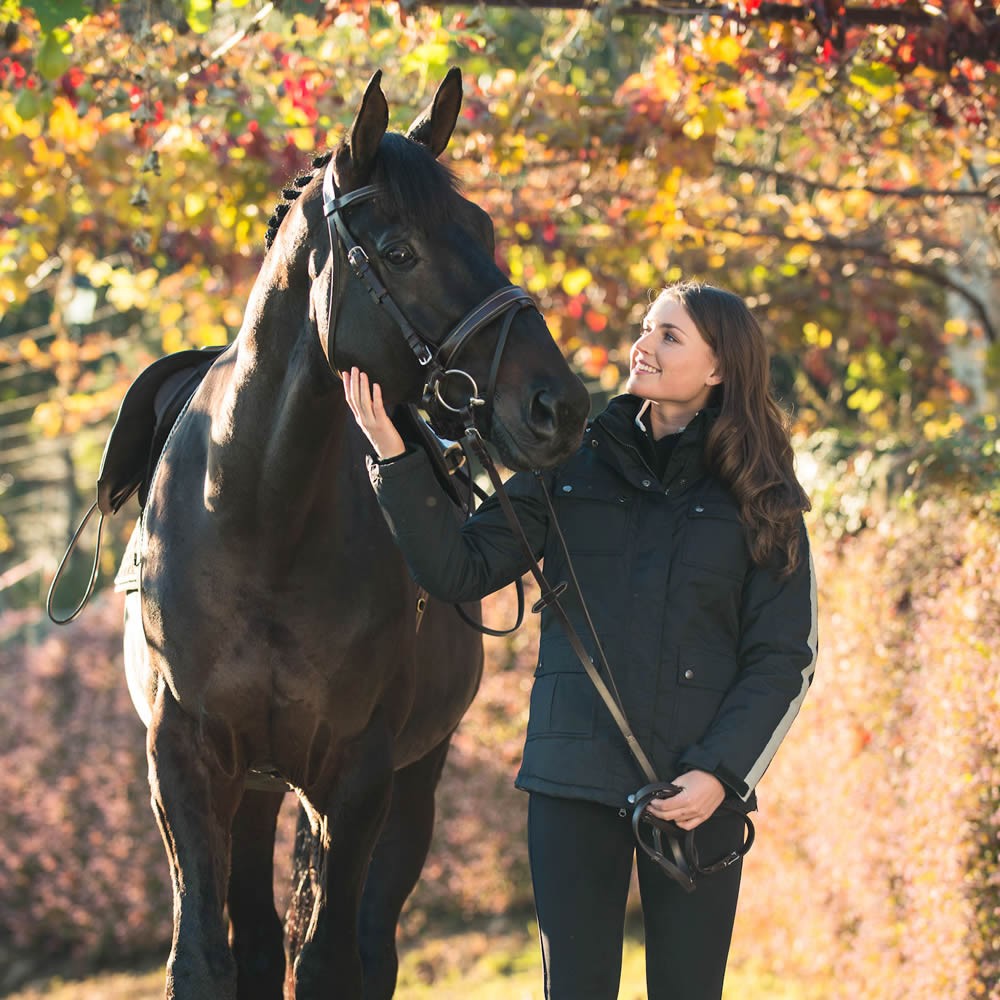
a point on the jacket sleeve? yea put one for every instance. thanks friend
(452, 560)
(777, 657)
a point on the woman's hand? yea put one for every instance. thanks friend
(366, 405)
(702, 793)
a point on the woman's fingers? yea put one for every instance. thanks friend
(701, 794)
(365, 402)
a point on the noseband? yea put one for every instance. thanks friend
(436, 359)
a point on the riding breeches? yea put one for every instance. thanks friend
(581, 857)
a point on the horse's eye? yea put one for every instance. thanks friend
(398, 256)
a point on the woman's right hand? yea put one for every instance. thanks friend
(366, 404)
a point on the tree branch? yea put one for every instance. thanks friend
(911, 192)
(874, 250)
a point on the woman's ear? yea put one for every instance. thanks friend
(714, 378)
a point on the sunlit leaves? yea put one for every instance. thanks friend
(53, 57)
(198, 14)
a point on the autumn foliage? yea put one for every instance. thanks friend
(843, 177)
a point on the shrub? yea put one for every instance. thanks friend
(83, 874)
(876, 868)
(875, 873)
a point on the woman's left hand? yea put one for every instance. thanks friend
(701, 794)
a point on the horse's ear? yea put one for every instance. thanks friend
(433, 126)
(369, 126)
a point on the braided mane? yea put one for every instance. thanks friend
(289, 194)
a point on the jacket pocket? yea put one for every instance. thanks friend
(703, 678)
(563, 705)
(714, 539)
(593, 517)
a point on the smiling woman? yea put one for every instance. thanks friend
(672, 367)
(703, 601)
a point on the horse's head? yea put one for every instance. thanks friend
(422, 294)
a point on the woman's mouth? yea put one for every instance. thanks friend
(641, 368)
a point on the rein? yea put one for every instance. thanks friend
(684, 864)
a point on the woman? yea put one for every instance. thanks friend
(683, 519)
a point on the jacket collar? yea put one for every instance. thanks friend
(615, 427)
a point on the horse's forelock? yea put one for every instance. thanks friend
(413, 185)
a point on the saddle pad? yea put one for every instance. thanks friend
(140, 431)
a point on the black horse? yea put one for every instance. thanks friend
(276, 627)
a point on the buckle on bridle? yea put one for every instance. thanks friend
(358, 259)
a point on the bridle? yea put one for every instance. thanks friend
(436, 359)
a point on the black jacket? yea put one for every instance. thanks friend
(711, 655)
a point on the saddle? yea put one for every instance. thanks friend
(148, 412)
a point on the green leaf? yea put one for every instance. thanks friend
(198, 14)
(874, 78)
(53, 13)
(54, 57)
(28, 104)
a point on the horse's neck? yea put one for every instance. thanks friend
(280, 430)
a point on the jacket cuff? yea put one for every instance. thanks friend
(697, 759)
(386, 468)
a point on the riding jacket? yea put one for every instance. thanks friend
(711, 655)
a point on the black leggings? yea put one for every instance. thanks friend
(581, 865)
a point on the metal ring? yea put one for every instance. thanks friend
(474, 398)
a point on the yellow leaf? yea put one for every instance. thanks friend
(211, 335)
(910, 250)
(303, 139)
(173, 340)
(44, 157)
(694, 128)
(171, 313)
(62, 349)
(801, 96)
(28, 349)
(72, 133)
(956, 327)
(49, 417)
(724, 49)
(194, 204)
(576, 281)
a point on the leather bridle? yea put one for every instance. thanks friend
(437, 359)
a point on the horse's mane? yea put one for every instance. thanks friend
(413, 185)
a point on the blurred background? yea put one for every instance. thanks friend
(838, 165)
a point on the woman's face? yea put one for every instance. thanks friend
(670, 363)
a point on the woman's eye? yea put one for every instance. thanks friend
(398, 256)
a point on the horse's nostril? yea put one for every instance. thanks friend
(542, 414)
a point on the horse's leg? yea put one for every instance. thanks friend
(196, 784)
(396, 865)
(256, 935)
(329, 963)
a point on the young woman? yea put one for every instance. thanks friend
(683, 518)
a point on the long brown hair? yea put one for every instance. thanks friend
(748, 446)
